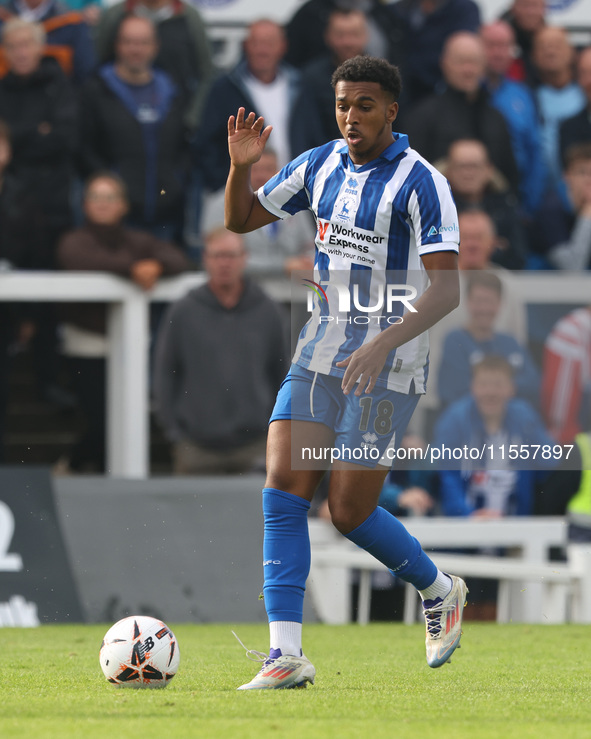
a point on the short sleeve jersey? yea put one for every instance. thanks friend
(374, 222)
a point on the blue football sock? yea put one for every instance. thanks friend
(286, 554)
(382, 535)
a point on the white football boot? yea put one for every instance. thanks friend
(279, 671)
(443, 620)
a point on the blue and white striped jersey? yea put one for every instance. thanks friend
(374, 222)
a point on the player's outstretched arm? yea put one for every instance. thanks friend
(441, 297)
(247, 137)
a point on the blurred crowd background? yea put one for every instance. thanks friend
(113, 158)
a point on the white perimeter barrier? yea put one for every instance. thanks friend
(128, 368)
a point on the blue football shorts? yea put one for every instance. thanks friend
(367, 428)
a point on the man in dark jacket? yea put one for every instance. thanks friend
(463, 110)
(37, 102)
(132, 122)
(220, 358)
(428, 23)
(184, 50)
(306, 30)
(261, 82)
(346, 36)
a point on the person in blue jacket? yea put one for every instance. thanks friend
(515, 101)
(504, 448)
(261, 81)
(464, 347)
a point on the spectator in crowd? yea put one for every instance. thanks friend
(132, 122)
(103, 244)
(558, 96)
(263, 82)
(183, 50)
(493, 482)
(275, 249)
(67, 35)
(464, 347)
(38, 103)
(577, 128)
(463, 110)
(478, 243)
(561, 232)
(307, 38)
(566, 378)
(20, 232)
(476, 184)
(213, 408)
(515, 101)
(490, 418)
(526, 17)
(22, 227)
(427, 26)
(479, 240)
(346, 36)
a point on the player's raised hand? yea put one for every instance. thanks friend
(247, 137)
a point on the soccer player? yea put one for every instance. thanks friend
(378, 206)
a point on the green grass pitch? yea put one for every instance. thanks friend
(509, 681)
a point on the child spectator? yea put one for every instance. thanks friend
(491, 421)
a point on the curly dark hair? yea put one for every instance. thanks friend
(370, 69)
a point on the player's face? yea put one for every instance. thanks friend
(364, 114)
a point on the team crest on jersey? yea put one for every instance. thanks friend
(346, 208)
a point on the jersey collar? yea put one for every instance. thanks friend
(398, 145)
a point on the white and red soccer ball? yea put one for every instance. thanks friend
(139, 652)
